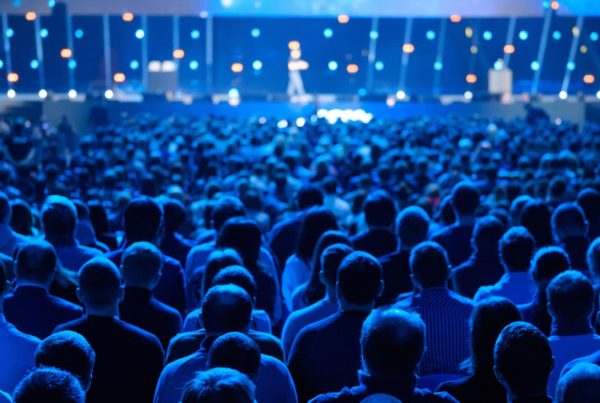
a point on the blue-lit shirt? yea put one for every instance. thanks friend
(446, 315)
(17, 351)
(517, 287)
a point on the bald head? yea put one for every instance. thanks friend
(36, 263)
(226, 308)
(99, 284)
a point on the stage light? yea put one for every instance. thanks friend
(12, 77)
(10, 32)
(78, 33)
(563, 94)
(72, 64)
(373, 35)
(468, 95)
(509, 49)
(194, 65)
(237, 67)
(589, 79)
(327, 33)
(594, 36)
(430, 35)
(294, 45)
(11, 93)
(598, 94)
(195, 34)
(300, 122)
(134, 65)
(51, 3)
(362, 92)
(555, 5)
(233, 101)
(583, 49)
(257, 65)
(1, 63)
(66, 53)
(282, 124)
(469, 32)
(227, 3)
(178, 54)
(352, 68)
(140, 34)
(34, 64)
(119, 78)
(43, 33)
(498, 64)
(379, 65)
(332, 65)
(487, 35)
(438, 66)
(455, 18)
(233, 93)
(400, 95)
(556, 35)
(43, 94)
(535, 65)
(109, 94)
(474, 49)
(255, 32)
(343, 19)
(390, 102)
(30, 15)
(72, 94)
(575, 31)
(523, 35)
(471, 78)
(571, 66)
(127, 16)
(408, 48)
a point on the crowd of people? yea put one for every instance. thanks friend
(212, 259)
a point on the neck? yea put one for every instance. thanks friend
(574, 327)
(61, 239)
(106, 312)
(23, 282)
(349, 307)
(330, 295)
(465, 219)
(511, 397)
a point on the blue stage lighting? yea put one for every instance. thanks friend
(195, 34)
(328, 33)
(134, 65)
(556, 35)
(233, 93)
(140, 34)
(571, 66)
(255, 32)
(72, 64)
(487, 35)
(34, 64)
(362, 92)
(379, 65)
(498, 64)
(43, 33)
(10, 32)
(257, 65)
(332, 65)
(51, 3)
(594, 36)
(78, 33)
(1, 64)
(194, 65)
(535, 65)
(430, 35)
(438, 66)
(523, 35)
(373, 34)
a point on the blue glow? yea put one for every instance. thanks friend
(328, 33)
(498, 64)
(373, 34)
(233, 93)
(1, 64)
(195, 34)
(43, 33)
(257, 65)
(379, 65)
(332, 65)
(362, 92)
(194, 65)
(134, 65)
(546, 4)
(34, 64)
(594, 36)
(438, 66)
(430, 35)
(556, 35)
(51, 3)
(10, 32)
(535, 65)
(78, 33)
(140, 34)
(487, 35)
(72, 64)
(255, 32)
(523, 35)
(571, 66)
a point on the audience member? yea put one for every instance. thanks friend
(378, 240)
(589, 201)
(570, 231)
(219, 385)
(9, 239)
(173, 244)
(536, 218)
(580, 384)
(49, 385)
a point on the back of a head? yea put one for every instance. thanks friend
(236, 275)
(83, 212)
(580, 384)
(412, 226)
(68, 351)
(217, 260)
(175, 214)
(392, 343)
(59, 218)
(140, 264)
(21, 219)
(236, 351)
(331, 258)
(549, 262)
(99, 283)
(379, 209)
(359, 278)
(218, 385)
(315, 223)
(49, 385)
(536, 217)
(516, 249)
(593, 258)
(328, 238)
(465, 198)
(567, 220)
(487, 234)
(142, 219)
(429, 265)
(243, 235)
(523, 359)
(225, 208)
(516, 208)
(309, 196)
(4, 208)
(226, 308)
(36, 262)
(589, 201)
(570, 296)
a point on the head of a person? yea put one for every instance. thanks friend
(219, 385)
(429, 265)
(226, 308)
(315, 223)
(516, 208)
(5, 208)
(568, 220)
(175, 214)
(523, 360)
(488, 319)
(465, 199)
(59, 217)
(21, 220)
(308, 196)
(536, 217)
(35, 263)
(225, 208)
(487, 234)
(142, 220)
(237, 351)
(100, 289)
(593, 259)
(141, 265)
(217, 260)
(243, 235)
(379, 209)
(4, 283)
(548, 262)
(516, 249)
(392, 343)
(49, 385)
(239, 276)
(331, 258)
(359, 281)
(328, 238)
(570, 297)
(412, 226)
(589, 201)
(70, 352)
(580, 384)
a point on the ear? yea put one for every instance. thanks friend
(322, 278)
(498, 375)
(121, 293)
(380, 288)
(80, 296)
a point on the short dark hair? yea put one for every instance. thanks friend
(225, 208)
(580, 384)
(217, 260)
(35, 261)
(5, 208)
(68, 351)
(570, 218)
(100, 282)
(49, 385)
(570, 296)
(59, 217)
(465, 198)
(236, 351)
(309, 196)
(142, 219)
(523, 358)
(219, 385)
(237, 275)
(141, 263)
(174, 214)
(412, 226)
(331, 258)
(516, 208)
(487, 233)
(548, 262)
(379, 209)
(359, 278)
(315, 223)
(516, 249)
(536, 217)
(226, 308)
(429, 264)
(593, 257)
(392, 342)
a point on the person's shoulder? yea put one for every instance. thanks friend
(86, 250)
(74, 325)
(170, 264)
(426, 396)
(318, 326)
(165, 309)
(64, 304)
(345, 395)
(441, 233)
(484, 292)
(593, 358)
(461, 300)
(184, 337)
(139, 335)
(24, 340)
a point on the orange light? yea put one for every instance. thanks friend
(589, 79)
(237, 67)
(119, 77)
(455, 18)
(12, 77)
(178, 53)
(343, 19)
(30, 15)
(294, 45)
(408, 48)
(66, 53)
(352, 68)
(509, 49)
(127, 16)
(554, 5)
(471, 78)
